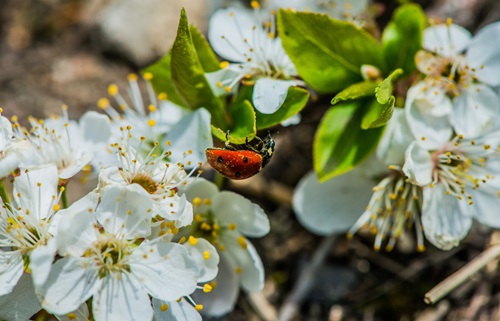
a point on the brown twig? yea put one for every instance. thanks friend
(301, 289)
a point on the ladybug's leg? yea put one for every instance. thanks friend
(227, 143)
(250, 147)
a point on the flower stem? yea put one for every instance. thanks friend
(64, 198)
(3, 193)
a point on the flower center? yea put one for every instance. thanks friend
(146, 182)
(109, 254)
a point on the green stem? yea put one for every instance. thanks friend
(219, 180)
(3, 193)
(64, 198)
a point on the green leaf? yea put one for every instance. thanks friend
(402, 37)
(162, 79)
(358, 90)
(206, 55)
(378, 114)
(296, 100)
(328, 53)
(243, 124)
(189, 77)
(383, 92)
(340, 144)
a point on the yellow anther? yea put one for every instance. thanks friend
(207, 201)
(206, 255)
(147, 76)
(242, 242)
(56, 207)
(192, 240)
(222, 247)
(449, 21)
(103, 103)
(112, 89)
(132, 77)
(164, 307)
(421, 248)
(198, 307)
(255, 4)
(182, 240)
(162, 96)
(152, 108)
(271, 35)
(216, 227)
(197, 201)
(219, 84)
(71, 316)
(224, 64)
(227, 89)
(232, 226)
(151, 122)
(238, 270)
(207, 288)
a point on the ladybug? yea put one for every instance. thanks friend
(241, 161)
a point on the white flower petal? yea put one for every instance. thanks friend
(124, 211)
(333, 206)
(292, 120)
(121, 298)
(484, 54)
(228, 29)
(11, 269)
(76, 165)
(41, 259)
(269, 94)
(446, 40)
(476, 110)
(68, 286)
(206, 257)
(396, 139)
(81, 314)
(418, 166)
(244, 260)
(442, 219)
(76, 231)
(220, 79)
(202, 189)
(485, 202)
(96, 128)
(184, 214)
(165, 269)
(222, 298)
(196, 139)
(176, 311)
(232, 208)
(21, 303)
(431, 128)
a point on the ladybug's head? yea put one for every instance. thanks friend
(267, 150)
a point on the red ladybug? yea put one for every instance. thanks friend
(241, 161)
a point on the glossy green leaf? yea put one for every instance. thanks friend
(402, 37)
(189, 77)
(296, 100)
(208, 59)
(328, 53)
(358, 90)
(340, 144)
(242, 124)
(377, 114)
(383, 92)
(162, 79)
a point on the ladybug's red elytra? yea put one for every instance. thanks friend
(241, 161)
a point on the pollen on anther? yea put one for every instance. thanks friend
(207, 288)
(224, 64)
(198, 307)
(151, 122)
(192, 240)
(206, 255)
(164, 307)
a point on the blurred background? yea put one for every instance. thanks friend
(55, 52)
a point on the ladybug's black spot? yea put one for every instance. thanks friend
(238, 174)
(219, 159)
(245, 159)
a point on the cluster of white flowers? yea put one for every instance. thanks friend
(442, 151)
(138, 245)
